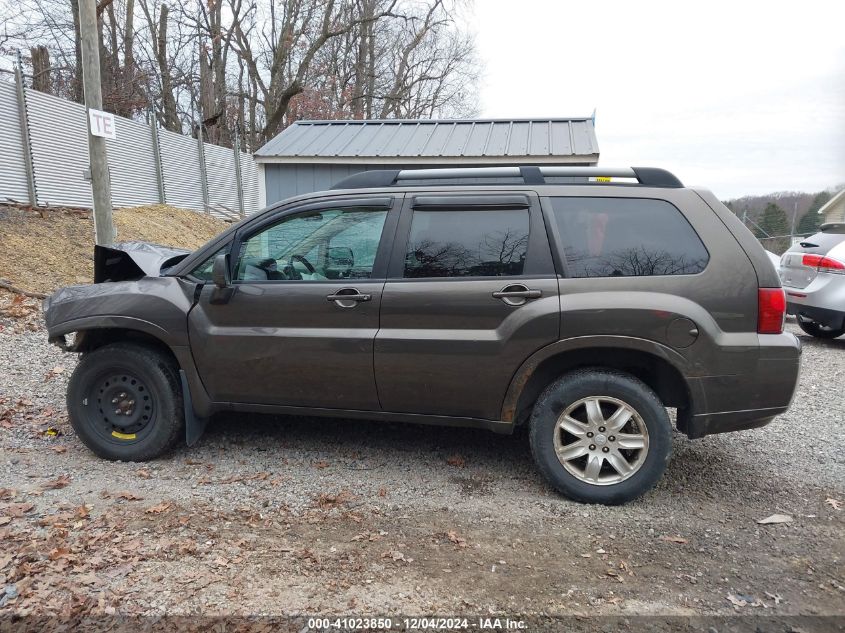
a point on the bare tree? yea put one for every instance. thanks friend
(254, 65)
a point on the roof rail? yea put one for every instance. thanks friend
(378, 178)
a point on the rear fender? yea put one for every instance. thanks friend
(525, 372)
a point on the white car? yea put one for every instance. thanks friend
(813, 276)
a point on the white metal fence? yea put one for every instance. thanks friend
(142, 171)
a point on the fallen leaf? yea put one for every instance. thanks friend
(457, 540)
(329, 501)
(456, 460)
(397, 556)
(321, 464)
(836, 504)
(17, 509)
(737, 602)
(60, 482)
(59, 449)
(56, 371)
(129, 496)
(775, 518)
(614, 574)
(5, 520)
(83, 511)
(58, 553)
(160, 508)
(674, 539)
(382, 492)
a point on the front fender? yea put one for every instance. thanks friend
(154, 305)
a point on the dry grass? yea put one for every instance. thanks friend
(45, 249)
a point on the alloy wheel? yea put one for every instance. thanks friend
(601, 440)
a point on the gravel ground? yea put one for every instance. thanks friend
(295, 515)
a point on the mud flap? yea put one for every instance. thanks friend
(194, 425)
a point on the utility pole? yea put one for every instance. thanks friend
(100, 185)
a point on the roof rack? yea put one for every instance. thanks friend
(378, 178)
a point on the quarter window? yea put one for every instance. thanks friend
(330, 244)
(203, 271)
(627, 237)
(467, 244)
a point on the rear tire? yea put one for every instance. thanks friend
(600, 436)
(819, 331)
(125, 402)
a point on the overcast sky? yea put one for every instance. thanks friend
(742, 97)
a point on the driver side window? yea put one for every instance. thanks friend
(322, 245)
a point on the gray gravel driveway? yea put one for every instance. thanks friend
(342, 516)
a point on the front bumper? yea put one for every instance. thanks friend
(723, 404)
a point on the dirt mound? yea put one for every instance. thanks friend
(44, 249)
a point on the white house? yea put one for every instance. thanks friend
(834, 210)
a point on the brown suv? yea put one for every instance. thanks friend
(487, 297)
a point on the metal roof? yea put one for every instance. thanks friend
(566, 140)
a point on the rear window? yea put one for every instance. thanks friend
(820, 243)
(627, 237)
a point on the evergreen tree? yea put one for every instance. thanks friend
(811, 222)
(773, 222)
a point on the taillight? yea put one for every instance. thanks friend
(771, 310)
(823, 264)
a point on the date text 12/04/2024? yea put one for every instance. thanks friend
(441, 624)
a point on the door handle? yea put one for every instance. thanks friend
(524, 294)
(517, 294)
(348, 297)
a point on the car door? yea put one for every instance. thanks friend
(299, 326)
(471, 293)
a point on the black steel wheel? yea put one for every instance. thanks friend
(125, 402)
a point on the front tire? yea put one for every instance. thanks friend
(125, 402)
(600, 436)
(819, 331)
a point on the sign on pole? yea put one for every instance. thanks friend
(102, 123)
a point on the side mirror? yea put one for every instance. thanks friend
(220, 271)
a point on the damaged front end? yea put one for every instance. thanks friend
(133, 301)
(130, 293)
(133, 260)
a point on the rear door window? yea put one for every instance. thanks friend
(478, 243)
(626, 237)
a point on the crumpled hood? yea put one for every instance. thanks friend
(131, 260)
